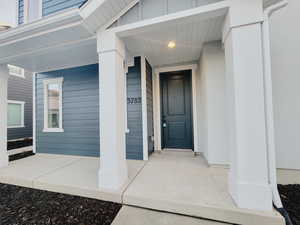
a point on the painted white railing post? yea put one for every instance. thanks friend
(242, 38)
(113, 167)
(3, 116)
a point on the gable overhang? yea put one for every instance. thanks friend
(99, 14)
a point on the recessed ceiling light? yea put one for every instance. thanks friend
(171, 44)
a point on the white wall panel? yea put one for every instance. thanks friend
(285, 51)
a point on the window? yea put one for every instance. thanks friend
(16, 71)
(53, 105)
(32, 10)
(15, 114)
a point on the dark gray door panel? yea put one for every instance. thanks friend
(176, 110)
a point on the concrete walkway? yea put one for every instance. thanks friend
(65, 174)
(137, 216)
(176, 182)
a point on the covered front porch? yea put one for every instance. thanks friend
(171, 181)
(176, 182)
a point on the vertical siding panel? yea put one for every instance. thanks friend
(205, 2)
(175, 5)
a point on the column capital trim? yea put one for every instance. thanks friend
(112, 50)
(108, 42)
(227, 28)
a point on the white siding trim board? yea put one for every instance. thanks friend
(34, 113)
(40, 12)
(144, 107)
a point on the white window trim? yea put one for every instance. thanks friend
(22, 75)
(25, 12)
(22, 113)
(46, 82)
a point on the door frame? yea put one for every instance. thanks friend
(157, 103)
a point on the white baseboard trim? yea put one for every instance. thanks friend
(19, 150)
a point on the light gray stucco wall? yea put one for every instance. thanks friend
(285, 51)
(210, 82)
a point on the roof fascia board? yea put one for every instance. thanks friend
(48, 49)
(44, 25)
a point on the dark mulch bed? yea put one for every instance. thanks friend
(20, 155)
(290, 196)
(25, 206)
(19, 144)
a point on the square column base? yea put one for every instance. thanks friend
(250, 195)
(111, 181)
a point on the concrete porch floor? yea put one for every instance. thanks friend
(176, 182)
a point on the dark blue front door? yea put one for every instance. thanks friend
(176, 110)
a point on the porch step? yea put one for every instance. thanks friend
(225, 215)
(137, 216)
(179, 182)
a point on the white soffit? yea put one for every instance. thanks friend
(32, 45)
(190, 29)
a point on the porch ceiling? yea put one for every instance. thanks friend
(54, 42)
(189, 31)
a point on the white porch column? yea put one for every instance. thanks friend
(113, 168)
(248, 179)
(3, 116)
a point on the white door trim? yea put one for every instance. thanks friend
(156, 106)
(144, 107)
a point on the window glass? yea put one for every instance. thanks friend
(53, 105)
(14, 115)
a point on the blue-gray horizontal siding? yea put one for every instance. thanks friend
(53, 6)
(20, 89)
(134, 139)
(21, 12)
(80, 113)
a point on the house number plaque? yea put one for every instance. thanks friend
(133, 101)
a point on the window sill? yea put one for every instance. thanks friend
(10, 127)
(53, 130)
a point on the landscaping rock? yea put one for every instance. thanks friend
(290, 196)
(25, 206)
